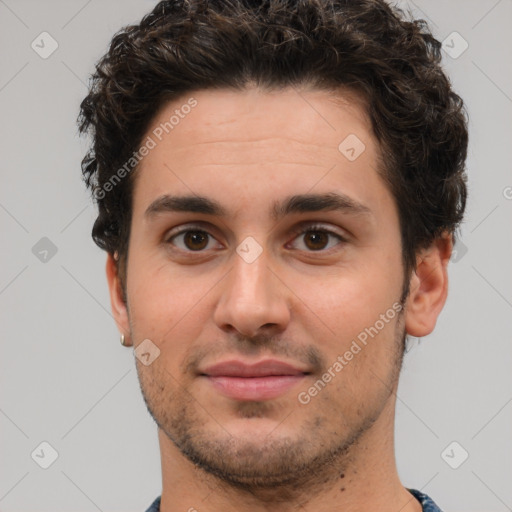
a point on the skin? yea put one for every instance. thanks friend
(295, 302)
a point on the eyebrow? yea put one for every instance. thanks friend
(301, 203)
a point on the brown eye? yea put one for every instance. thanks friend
(316, 240)
(191, 240)
(196, 240)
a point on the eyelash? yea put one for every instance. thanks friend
(298, 232)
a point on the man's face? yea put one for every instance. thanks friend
(303, 300)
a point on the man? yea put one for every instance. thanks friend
(278, 186)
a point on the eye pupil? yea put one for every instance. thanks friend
(192, 238)
(317, 237)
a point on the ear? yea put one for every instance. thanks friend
(119, 309)
(428, 287)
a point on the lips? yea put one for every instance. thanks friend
(236, 368)
(260, 381)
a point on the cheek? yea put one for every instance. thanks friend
(348, 301)
(368, 361)
(166, 306)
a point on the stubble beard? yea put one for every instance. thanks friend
(277, 467)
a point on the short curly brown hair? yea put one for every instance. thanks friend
(364, 45)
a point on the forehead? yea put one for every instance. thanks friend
(211, 140)
(305, 116)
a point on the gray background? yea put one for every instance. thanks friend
(66, 380)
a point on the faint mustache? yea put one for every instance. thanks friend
(260, 345)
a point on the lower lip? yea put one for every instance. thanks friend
(255, 388)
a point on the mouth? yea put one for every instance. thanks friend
(264, 380)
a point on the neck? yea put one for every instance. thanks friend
(364, 478)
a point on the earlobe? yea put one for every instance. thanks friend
(428, 287)
(119, 309)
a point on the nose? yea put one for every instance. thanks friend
(252, 299)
